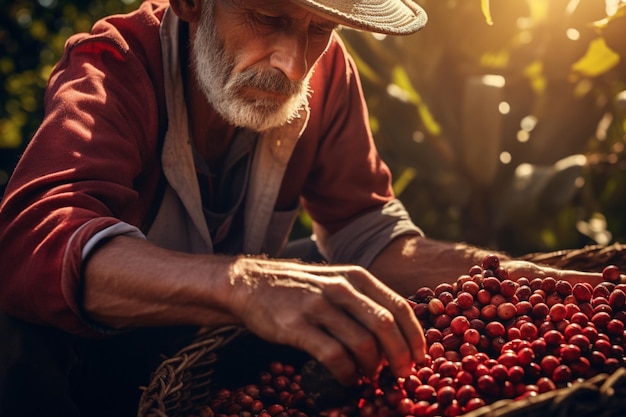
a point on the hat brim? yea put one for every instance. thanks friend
(390, 17)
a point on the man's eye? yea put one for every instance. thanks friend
(269, 20)
(322, 30)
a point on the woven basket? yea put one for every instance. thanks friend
(183, 383)
(601, 396)
(227, 357)
(591, 258)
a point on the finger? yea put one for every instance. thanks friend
(377, 319)
(352, 342)
(358, 340)
(407, 322)
(402, 311)
(295, 321)
(412, 330)
(329, 351)
(574, 277)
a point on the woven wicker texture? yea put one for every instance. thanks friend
(184, 382)
(401, 17)
(601, 396)
(591, 258)
(226, 357)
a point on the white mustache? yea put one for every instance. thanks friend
(274, 82)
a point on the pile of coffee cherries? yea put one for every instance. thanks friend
(276, 393)
(489, 338)
(492, 338)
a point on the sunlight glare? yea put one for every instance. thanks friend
(493, 80)
(524, 170)
(571, 6)
(572, 34)
(528, 123)
(523, 136)
(612, 6)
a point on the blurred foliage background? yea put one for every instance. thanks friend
(504, 121)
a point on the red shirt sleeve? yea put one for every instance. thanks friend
(90, 165)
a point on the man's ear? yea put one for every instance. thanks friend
(187, 10)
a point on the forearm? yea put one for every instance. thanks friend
(341, 315)
(129, 282)
(411, 262)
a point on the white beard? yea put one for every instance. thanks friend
(213, 69)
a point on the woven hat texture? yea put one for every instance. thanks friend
(392, 17)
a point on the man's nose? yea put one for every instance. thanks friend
(290, 55)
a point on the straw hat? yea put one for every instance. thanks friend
(393, 17)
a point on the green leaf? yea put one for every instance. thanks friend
(404, 179)
(10, 133)
(535, 74)
(539, 10)
(402, 81)
(365, 70)
(495, 59)
(484, 5)
(598, 59)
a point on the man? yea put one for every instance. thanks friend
(178, 144)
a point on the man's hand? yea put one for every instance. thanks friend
(517, 269)
(341, 315)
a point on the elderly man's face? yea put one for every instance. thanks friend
(253, 58)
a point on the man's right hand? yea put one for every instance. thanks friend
(341, 315)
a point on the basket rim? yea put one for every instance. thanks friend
(164, 391)
(601, 384)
